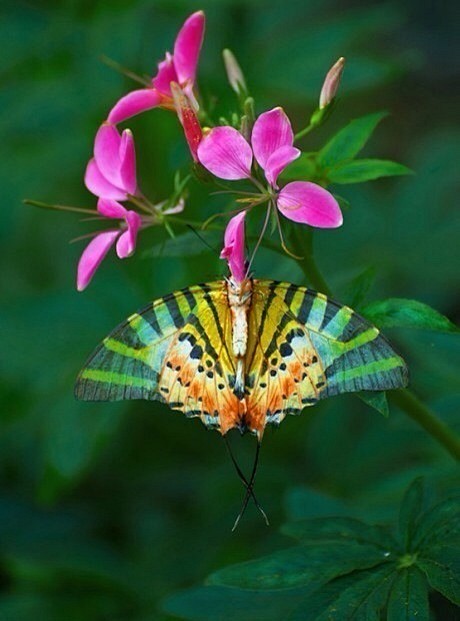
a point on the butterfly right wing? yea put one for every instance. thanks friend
(304, 347)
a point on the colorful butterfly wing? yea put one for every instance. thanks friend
(175, 351)
(304, 347)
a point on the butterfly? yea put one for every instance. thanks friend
(241, 355)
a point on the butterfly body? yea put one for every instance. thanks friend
(241, 355)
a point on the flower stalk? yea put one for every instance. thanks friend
(404, 398)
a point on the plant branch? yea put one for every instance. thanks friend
(405, 399)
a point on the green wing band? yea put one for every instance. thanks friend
(354, 354)
(127, 363)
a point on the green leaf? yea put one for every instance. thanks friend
(376, 400)
(307, 566)
(227, 604)
(339, 530)
(409, 597)
(359, 287)
(414, 502)
(359, 596)
(349, 141)
(402, 313)
(303, 167)
(442, 568)
(439, 524)
(358, 171)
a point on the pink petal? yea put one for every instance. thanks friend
(110, 208)
(271, 131)
(187, 47)
(127, 241)
(92, 256)
(233, 249)
(107, 153)
(128, 163)
(226, 154)
(166, 74)
(98, 184)
(134, 103)
(278, 161)
(309, 203)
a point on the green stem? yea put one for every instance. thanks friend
(404, 399)
(423, 416)
(303, 132)
(302, 240)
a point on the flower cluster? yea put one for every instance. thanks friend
(253, 150)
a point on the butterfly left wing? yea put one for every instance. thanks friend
(174, 351)
(304, 347)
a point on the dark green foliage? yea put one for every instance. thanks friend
(348, 570)
(401, 313)
(106, 510)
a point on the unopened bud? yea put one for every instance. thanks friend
(188, 119)
(331, 83)
(234, 74)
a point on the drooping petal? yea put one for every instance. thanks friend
(188, 119)
(233, 249)
(187, 47)
(226, 154)
(110, 208)
(128, 162)
(99, 185)
(126, 244)
(309, 203)
(107, 153)
(166, 74)
(271, 131)
(133, 103)
(278, 161)
(92, 256)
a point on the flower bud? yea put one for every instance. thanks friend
(187, 118)
(331, 83)
(234, 74)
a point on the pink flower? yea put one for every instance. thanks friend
(125, 236)
(111, 173)
(227, 154)
(233, 249)
(179, 67)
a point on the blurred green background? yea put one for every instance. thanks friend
(105, 509)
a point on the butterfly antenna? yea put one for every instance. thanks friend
(243, 479)
(201, 238)
(249, 487)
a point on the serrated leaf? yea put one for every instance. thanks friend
(414, 502)
(409, 597)
(403, 313)
(227, 604)
(359, 171)
(442, 569)
(349, 141)
(339, 530)
(359, 596)
(439, 524)
(376, 400)
(307, 566)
